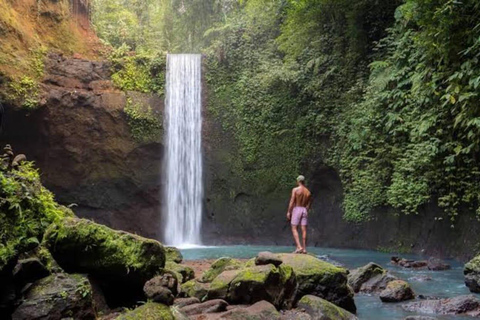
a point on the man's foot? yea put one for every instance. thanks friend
(304, 251)
(298, 251)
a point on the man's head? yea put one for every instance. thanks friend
(301, 180)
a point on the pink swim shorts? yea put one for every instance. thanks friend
(299, 216)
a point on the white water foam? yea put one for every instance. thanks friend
(184, 187)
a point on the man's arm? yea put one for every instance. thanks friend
(290, 205)
(309, 204)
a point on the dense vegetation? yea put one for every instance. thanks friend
(386, 92)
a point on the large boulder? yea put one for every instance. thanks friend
(396, 291)
(220, 285)
(261, 310)
(319, 308)
(320, 278)
(220, 265)
(184, 273)
(122, 262)
(472, 274)
(462, 305)
(57, 296)
(266, 282)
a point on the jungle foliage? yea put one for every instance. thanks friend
(386, 92)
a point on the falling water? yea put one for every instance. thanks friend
(184, 188)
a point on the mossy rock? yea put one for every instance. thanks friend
(58, 296)
(320, 278)
(149, 311)
(220, 285)
(196, 289)
(267, 282)
(319, 308)
(472, 274)
(185, 273)
(220, 265)
(396, 291)
(359, 276)
(173, 254)
(120, 261)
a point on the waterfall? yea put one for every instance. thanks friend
(184, 188)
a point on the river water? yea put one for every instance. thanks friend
(444, 284)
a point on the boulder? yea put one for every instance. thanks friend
(319, 308)
(120, 261)
(377, 284)
(359, 276)
(267, 282)
(183, 302)
(472, 274)
(57, 296)
(28, 271)
(266, 257)
(408, 263)
(462, 305)
(184, 273)
(150, 311)
(194, 288)
(261, 310)
(396, 291)
(219, 266)
(173, 254)
(320, 278)
(295, 314)
(156, 292)
(166, 280)
(220, 285)
(435, 264)
(211, 306)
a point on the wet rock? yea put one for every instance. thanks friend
(173, 254)
(220, 265)
(435, 264)
(378, 283)
(396, 291)
(472, 274)
(120, 261)
(319, 308)
(28, 271)
(357, 277)
(322, 279)
(57, 296)
(183, 302)
(211, 306)
(150, 311)
(266, 257)
(194, 288)
(253, 284)
(261, 310)
(407, 263)
(462, 305)
(166, 280)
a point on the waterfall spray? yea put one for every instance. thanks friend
(184, 187)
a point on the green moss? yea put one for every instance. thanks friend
(173, 254)
(318, 307)
(255, 274)
(196, 289)
(145, 125)
(184, 273)
(473, 265)
(26, 209)
(219, 266)
(149, 311)
(86, 246)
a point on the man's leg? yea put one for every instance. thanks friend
(304, 238)
(295, 236)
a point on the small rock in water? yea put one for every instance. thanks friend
(435, 264)
(462, 305)
(266, 257)
(396, 291)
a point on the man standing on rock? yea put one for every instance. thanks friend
(300, 203)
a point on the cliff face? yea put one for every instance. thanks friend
(80, 138)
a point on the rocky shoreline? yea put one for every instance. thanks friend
(84, 270)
